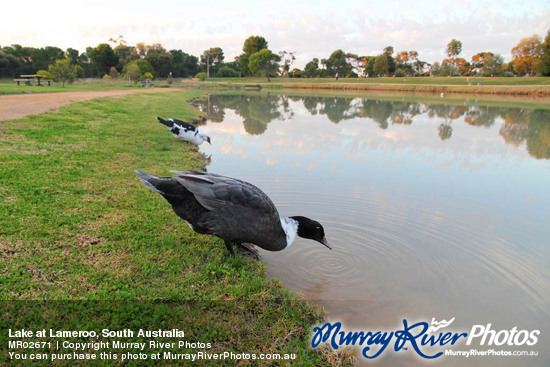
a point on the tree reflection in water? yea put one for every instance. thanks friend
(531, 126)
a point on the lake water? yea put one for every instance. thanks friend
(435, 208)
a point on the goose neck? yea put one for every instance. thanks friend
(290, 227)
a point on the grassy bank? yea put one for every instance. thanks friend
(536, 86)
(85, 246)
(8, 86)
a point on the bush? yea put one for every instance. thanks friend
(509, 74)
(227, 72)
(399, 73)
(46, 74)
(201, 76)
(148, 76)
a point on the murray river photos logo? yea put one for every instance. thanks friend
(425, 339)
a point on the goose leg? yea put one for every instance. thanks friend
(229, 247)
(248, 251)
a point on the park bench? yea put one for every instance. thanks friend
(28, 79)
(146, 83)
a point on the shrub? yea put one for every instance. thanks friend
(106, 77)
(399, 73)
(148, 75)
(46, 74)
(227, 72)
(113, 72)
(201, 76)
(509, 74)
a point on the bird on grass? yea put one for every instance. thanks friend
(234, 210)
(185, 131)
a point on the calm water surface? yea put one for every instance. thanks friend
(435, 209)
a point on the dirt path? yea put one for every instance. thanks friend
(20, 105)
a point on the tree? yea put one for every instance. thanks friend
(545, 64)
(454, 48)
(43, 57)
(135, 69)
(103, 57)
(287, 58)
(62, 71)
(478, 60)
(254, 44)
(311, 70)
(337, 64)
(369, 68)
(251, 45)
(184, 65)
(243, 61)
(493, 65)
(211, 59)
(161, 63)
(381, 65)
(9, 65)
(527, 55)
(264, 63)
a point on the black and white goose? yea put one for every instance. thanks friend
(234, 210)
(185, 131)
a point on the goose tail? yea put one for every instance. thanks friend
(167, 123)
(149, 180)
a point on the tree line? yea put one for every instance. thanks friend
(531, 56)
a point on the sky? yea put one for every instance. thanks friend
(310, 28)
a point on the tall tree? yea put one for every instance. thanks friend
(103, 57)
(251, 45)
(527, 55)
(185, 65)
(478, 60)
(454, 48)
(311, 70)
(493, 65)
(381, 65)
(337, 64)
(264, 63)
(545, 67)
(211, 59)
(287, 59)
(254, 44)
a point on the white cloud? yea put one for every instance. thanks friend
(310, 28)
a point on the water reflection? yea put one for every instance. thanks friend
(522, 125)
(434, 209)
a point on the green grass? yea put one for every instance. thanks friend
(8, 86)
(85, 246)
(536, 86)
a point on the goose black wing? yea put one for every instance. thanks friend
(216, 191)
(185, 125)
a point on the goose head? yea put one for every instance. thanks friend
(308, 228)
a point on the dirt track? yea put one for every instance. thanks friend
(20, 105)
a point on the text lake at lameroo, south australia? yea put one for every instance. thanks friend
(436, 209)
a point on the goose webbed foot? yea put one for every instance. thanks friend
(248, 251)
(243, 249)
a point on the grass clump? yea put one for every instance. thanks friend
(85, 246)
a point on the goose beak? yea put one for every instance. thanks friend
(325, 242)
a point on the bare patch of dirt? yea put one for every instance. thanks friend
(15, 106)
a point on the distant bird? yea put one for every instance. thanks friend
(185, 131)
(231, 209)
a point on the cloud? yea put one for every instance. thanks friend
(309, 28)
